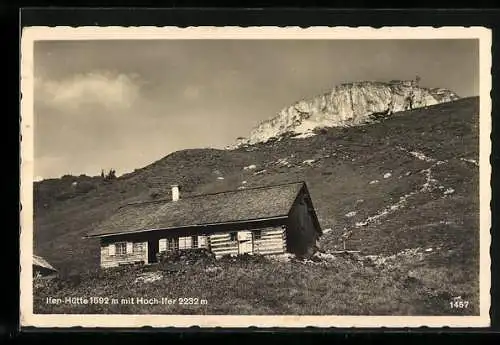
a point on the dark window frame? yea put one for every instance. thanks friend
(173, 244)
(233, 236)
(121, 248)
(257, 234)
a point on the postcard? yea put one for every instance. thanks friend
(262, 176)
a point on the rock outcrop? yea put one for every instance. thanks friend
(350, 104)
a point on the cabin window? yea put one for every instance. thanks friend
(130, 247)
(194, 241)
(233, 236)
(185, 242)
(121, 248)
(162, 245)
(173, 244)
(257, 234)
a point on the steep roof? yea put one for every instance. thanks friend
(39, 261)
(199, 210)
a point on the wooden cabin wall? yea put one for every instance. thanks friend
(272, 241)
(301, 233)
(139, 253)
(183, 242)
(221, 244)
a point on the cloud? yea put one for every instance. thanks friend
(113, 91)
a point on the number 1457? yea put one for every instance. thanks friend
(459, 304)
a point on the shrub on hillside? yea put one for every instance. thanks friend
(111, 175)
(243, 258)
(188, 256)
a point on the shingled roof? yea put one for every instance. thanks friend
(41, 262)
(235, 206)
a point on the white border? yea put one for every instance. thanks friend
(32, 34)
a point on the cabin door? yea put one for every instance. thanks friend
(245, 244)
(153, 248)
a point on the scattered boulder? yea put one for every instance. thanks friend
(449, 191)
(250, 167)
(213, 269)
(148, 277)
(350, 214)
(260, 172)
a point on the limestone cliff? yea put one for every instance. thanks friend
(347, 105)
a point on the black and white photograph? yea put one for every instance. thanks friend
(255, 176)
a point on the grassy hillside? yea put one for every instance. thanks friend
(407, 183)
(343, 285)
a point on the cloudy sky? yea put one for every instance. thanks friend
(125, 104)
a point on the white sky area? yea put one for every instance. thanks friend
(125, 104)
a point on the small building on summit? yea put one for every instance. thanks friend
(42, 269)
(265, 220)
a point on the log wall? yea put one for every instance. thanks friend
(137, 252)
(272, 241)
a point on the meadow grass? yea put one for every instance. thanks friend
(343, 286)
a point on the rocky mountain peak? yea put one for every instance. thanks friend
(348, 104)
